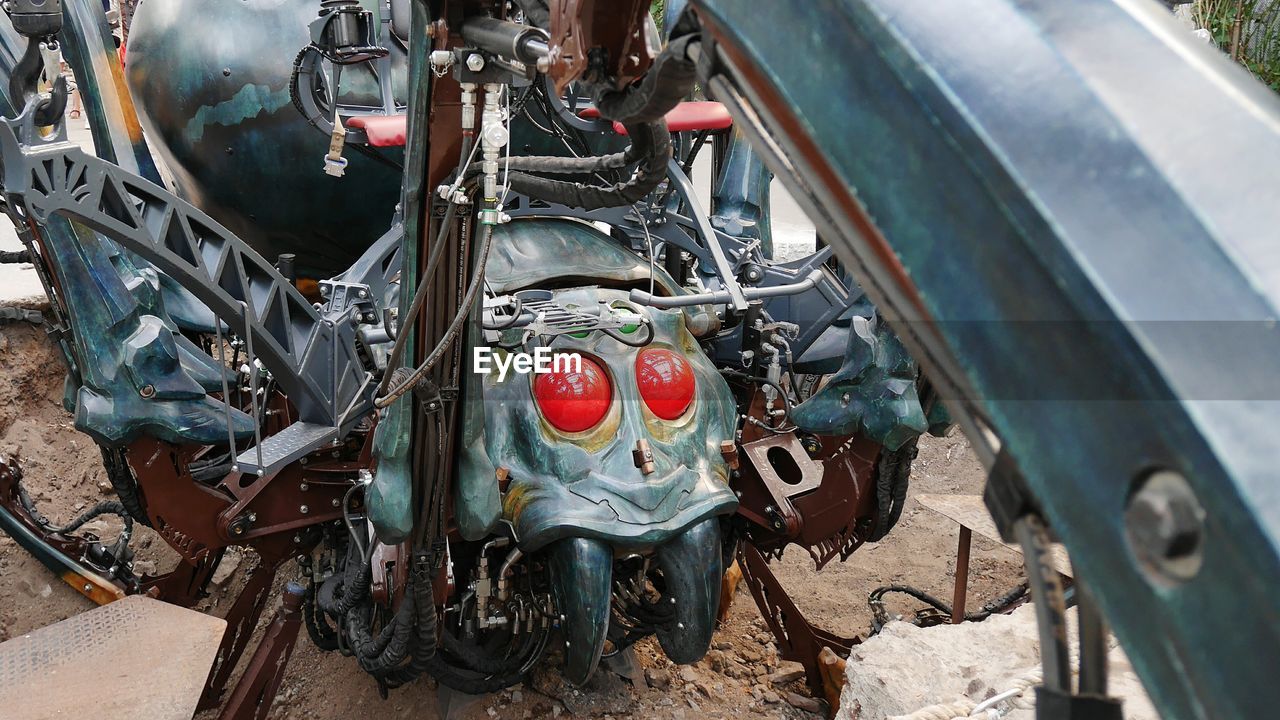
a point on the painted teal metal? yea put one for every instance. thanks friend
(212, 84)
(1039, 213)
(565, 485)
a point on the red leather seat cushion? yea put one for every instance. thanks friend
(382, 130)
(701, 115)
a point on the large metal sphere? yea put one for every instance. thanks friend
(211, 81)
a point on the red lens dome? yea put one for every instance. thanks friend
(574, 401)
(665, 380)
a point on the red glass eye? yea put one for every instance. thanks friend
(574, 401)
(665, 381)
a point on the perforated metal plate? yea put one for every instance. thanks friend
(135, 658)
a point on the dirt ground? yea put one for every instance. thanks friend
(741, 677)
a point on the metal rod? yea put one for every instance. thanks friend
(250, 318)
(226, 391)
(962, 576)
(641, 297)
(676, 176)
(1051, 608)
(1093, 644)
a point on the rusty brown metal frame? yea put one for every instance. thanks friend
(256, 691)
(615, 28)
(798, 639)
(269, 514)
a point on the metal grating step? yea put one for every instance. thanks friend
(284, 447)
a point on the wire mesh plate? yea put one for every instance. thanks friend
(134, 658)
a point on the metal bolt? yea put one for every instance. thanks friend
(1164, 524)
(304, 509)
(87, 587)
(226, 72)
(475, 62)
(303, 487)
(845, 399)
(679, 626)
(335, 502)
(148, 391)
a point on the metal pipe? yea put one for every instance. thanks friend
(1093, 643)
(1050, 607)
(641, 297)
(512, 558)
(962, 576)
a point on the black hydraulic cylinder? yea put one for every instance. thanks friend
(506, 39)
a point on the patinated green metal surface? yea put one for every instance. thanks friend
(212, 83)
(589, 485)
(1036, 211)
(131, 372)
(873, 392)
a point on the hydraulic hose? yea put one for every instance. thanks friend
(641, 109)
(650, 145)
(536, 12)
(669, 81)
(464, 309)
(424, 648)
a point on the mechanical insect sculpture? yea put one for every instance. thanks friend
(301, 341)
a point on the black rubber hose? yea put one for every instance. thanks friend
(536, 12)
(420, 295)
(424, 649)
(469, 656)
(363, 642)
(322, 635)
(650, 145)
(475, 683)
(396, 644)
(880, 616)
(555, 165)
(14, 256)
(641, 109)
(124, 483)
(355, 587)
(106, 507)
(748, 377)
(664, 86)
(446, 341)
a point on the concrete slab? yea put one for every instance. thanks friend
(911, 673)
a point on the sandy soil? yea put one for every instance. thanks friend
(741, 677)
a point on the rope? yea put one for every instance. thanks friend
(964, 708)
